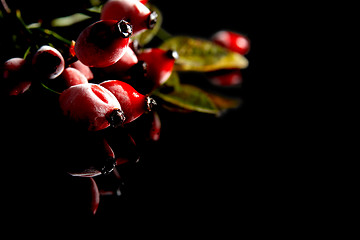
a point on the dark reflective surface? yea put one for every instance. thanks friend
(206, 175)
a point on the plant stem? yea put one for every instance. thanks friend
(54, 35)
(51, 90)
(5, 7)
(22, 23)
(163, 35)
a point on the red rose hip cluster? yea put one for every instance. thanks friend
(95, 79)
(99, 90)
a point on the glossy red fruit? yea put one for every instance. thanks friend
(13, 77)
(233, 41)
(121, 68)
(124, 146)
(83, 69)
(103, 43)
(91, 105)
(226, 78)
(133, 103)
(12, 66)
(20, 88)
(48, 62)
(133, 11)
(73, 77)
(160, 64)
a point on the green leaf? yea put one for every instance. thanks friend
(146, 36)
(173, 81)
(69, 20)
(202, 55)
(186, 96)
(191, 98)
(224, 103)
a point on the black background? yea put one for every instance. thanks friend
(240, 172)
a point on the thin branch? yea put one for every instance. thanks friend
(5, 7)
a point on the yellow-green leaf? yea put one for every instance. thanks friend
(196, 54)
(69, 20)
(224, 103)
(189, 97)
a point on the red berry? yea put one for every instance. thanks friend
(83, 69)
(48, 62)
(73, 77)
(133, 103)
(103, 43)
(20, 88)
(124, 145)
(14, 81)
(226, 78)
(121, 67)
(12, 66)
(132, 11)
(233, 41)
(160, 64)
(92, 105)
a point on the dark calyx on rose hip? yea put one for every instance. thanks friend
(116, 118)
(152, 20)
(125, 29)
(150, 103)
(172, 54)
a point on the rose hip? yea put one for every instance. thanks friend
(123, 144)
(92, 105)
(226, 78)
(73, 77)
(85, 70)
(160, 64)
(233, 41)
(14, 81)
(103, 43)
(12, 66)
(132, 11)
(133, 103)
(121, 68)
(48, 62)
